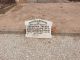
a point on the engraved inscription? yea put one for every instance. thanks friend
(38, 28)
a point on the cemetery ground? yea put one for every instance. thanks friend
(65, 41)
(59, 47)
(65, 16)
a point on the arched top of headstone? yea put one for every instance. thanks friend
(38, 21)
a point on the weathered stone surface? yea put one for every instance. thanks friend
(38, 28)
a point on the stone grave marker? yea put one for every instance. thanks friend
(38, 28)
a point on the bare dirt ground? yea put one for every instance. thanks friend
(65, 16)
(18, 47)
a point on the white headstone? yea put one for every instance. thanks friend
(38, 28)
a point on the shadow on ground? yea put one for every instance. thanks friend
(6, 7)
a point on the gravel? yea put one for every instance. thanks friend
(59, 47)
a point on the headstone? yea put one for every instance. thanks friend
(38, 28)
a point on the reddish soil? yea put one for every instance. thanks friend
(65, 16)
